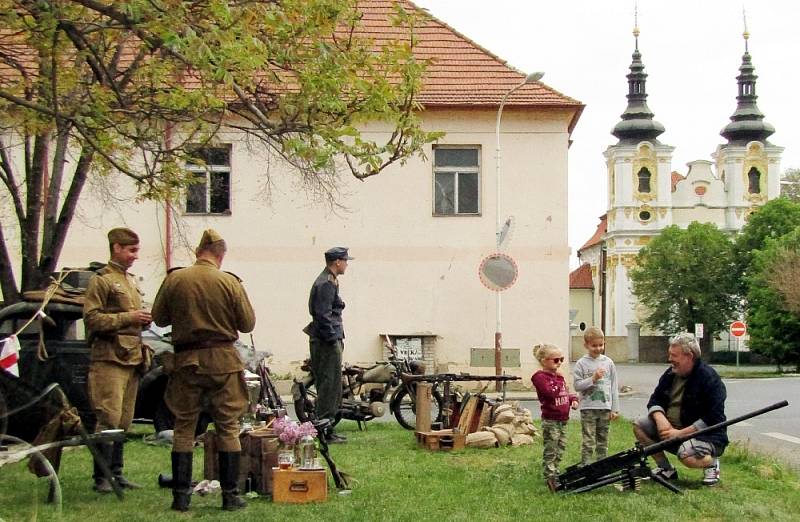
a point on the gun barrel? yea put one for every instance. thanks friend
(659, 446)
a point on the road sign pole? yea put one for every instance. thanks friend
(738, 341)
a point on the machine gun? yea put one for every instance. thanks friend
(447, 378)
(630, 467)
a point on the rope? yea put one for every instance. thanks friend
(52, 288)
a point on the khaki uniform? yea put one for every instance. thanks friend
(206, 308)
(115, 340)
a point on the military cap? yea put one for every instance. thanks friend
(122, 236)
(209, 236)
(337, 253)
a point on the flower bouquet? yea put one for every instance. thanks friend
(292, 436)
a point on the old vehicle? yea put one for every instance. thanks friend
(367, 390)
(53, 349)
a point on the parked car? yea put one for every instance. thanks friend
(65, 360)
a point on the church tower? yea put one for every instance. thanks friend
(639, 195)
(748, 164)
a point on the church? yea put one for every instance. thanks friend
(645, 195)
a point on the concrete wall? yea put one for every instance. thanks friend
(652, 349)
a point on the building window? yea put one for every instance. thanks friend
(754, 181)
(211, 193)
(456, 181)
(644, 181)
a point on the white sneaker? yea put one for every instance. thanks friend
(711, 474)
(670, 473)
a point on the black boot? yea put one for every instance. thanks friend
(229, 480)
(117, 462)
(181, 480)
(102, 482)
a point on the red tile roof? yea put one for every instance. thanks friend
(676, 178)
(463, 73)
(597, 237)
(581, 277)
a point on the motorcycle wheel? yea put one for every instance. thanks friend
(305, 408)
(405, 409)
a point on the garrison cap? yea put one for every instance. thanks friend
(122, 236)
(337, 253)
(209, 236)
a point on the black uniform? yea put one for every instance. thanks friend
(326, 333)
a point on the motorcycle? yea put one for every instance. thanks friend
(366, 391)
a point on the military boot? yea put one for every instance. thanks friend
(181, 480)
(117, 463)
(102, 484)
(229, 480)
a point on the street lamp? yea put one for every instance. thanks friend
(498, 336)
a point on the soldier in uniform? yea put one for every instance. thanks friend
(326, 337)
(206, 308)
(114, 320)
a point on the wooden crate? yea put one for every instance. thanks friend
(259, 456)
(294, 486)
(441, 440)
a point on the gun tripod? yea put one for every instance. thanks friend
(631, 479)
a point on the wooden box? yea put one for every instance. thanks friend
(294, 486)
(259, 456)
(441, 440)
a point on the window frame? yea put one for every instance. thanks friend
(207, 171)
(457, 171)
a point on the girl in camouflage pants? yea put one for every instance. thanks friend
(555, 401)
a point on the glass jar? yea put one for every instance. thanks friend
(286, 458)
(308, 451)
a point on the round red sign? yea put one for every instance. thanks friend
(738, 328)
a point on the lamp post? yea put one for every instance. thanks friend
(498, 335)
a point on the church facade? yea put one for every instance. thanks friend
(645, 194)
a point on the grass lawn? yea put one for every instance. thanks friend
(397, 482)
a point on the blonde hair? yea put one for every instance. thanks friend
(544, 350)
(591, 333)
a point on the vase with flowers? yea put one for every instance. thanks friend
(289, 433)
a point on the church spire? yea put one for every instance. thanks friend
(747, 122)
(637, 122)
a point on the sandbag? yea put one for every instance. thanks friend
(481, 439)
(502, 432)
(504, 417)
(521, 440)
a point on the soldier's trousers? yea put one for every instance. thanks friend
(326, 367)
(223, 394)
(112, 391)
(554, 438)
(594, 428)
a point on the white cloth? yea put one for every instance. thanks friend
(9, 356)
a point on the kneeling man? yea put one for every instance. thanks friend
(689, 396)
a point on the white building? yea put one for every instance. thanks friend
(645, 194)
(418, 232)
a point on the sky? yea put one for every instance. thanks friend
(691, 49)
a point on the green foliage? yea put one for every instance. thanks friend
(771, 221)
(132, 87)
(773, 329)
(790, 185)
(398, 482)
(683, 277)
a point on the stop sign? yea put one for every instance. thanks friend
(738, 328)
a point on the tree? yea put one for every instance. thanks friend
(790, 185)
(771, 221)
(90, 87)
(684, 277)
(773, 311)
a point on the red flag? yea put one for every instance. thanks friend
(9, 357)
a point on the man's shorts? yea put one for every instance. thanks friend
(690, 448)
